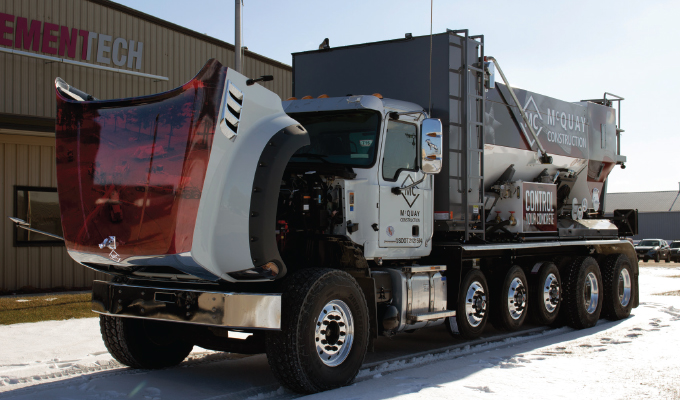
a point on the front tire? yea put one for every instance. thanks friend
(619, 290)
(657, 258)
(145, 344)
(472, 311)
(324, 331)
(583, 293)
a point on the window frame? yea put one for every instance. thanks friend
(28, 243)
(398, 172)
(377, 138)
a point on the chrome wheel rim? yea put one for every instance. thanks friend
(517, 298)
(591, 293)
(625, 287)
(334, 333)
(551, 293)
(475, 304)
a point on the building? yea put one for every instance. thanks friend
(107, 50)
(658, 212)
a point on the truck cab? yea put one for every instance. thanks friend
(385, 198)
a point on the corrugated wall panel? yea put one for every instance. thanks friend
(659, 225)
(166, 53)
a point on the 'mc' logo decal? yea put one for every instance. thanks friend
(409, 194)
(53, 39)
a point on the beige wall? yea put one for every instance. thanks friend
(27, 89)
(28, 83)
(29, 161)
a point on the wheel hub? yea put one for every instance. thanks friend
(551, 293)
(334, 333)
(517, 298)
(591, 293)
(475, 304)
(625, 287)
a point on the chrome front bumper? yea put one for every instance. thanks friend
(232, 310)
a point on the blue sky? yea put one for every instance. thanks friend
(568, 50)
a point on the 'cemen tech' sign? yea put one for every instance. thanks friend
(54, 39)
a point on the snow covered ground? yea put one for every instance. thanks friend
(635, 358)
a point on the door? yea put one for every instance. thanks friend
(401, 215)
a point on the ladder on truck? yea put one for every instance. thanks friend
(471, 123)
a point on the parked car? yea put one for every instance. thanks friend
(656, 249)
(675, 251)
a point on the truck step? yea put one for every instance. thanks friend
(430, 316)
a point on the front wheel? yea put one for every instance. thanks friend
(668, 258)
(146, 344)
(324, 331)
(657, 258)
(472, 307)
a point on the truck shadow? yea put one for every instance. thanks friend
(230, 376)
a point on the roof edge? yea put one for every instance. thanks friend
(178, 28)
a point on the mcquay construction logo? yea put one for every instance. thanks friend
(408, 194)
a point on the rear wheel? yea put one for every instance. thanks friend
(668, 257)
(545, 294)
(472, 307)
(511, 300)
(146, 344)
(324, 331)
(618, 288)
(583, 293)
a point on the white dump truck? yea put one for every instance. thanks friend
(400, 190)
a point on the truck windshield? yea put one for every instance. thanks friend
(347, 137)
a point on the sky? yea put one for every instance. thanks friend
(569, 50)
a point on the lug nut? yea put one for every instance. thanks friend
(322, 332)
(324, 342)
(325, 322)
(342, 333)
(340, 342)
(328, 348)
(341, 324)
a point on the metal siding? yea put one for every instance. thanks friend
(661, 225)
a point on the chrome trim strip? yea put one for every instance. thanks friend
(82, 64)
(512, 246)
(232, 310)
(236, 92)
(423, 268)
(233, 104)
(430, 316)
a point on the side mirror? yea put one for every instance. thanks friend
(431, 146)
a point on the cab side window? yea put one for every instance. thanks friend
(400, 149)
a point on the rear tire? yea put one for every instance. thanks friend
(583, 293)
(545, 296)
(618, 287)
(472, 311)
(145, 344)
(510, 300)
(319, 305)
(668, 258)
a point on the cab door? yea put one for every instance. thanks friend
(402, 215)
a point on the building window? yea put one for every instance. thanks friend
(39, 206)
